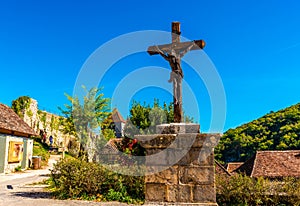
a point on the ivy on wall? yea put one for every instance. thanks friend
(43, 117)
(54, 123)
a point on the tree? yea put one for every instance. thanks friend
(144, 118)
(84, 118)
(20, 105)
(108, 127)
(274, 131)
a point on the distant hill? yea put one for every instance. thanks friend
(274, 131)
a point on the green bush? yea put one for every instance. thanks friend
(41, 149)
(73, 178)
(244, 190)
(18, 169)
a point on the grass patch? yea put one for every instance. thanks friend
(41, 149)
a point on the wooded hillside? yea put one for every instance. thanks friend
(274, 131)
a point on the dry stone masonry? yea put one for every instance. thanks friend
(185, 159)
(46, 121)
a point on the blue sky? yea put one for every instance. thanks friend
(254, 45)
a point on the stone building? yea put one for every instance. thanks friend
(119, 123)
(15, 143)
(46, 122)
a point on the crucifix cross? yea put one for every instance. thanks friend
(173, 53)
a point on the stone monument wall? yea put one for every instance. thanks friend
(189, 175)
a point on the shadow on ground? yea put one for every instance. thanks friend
(33, 195)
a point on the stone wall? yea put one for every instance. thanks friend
(46, 121)
(185, 162)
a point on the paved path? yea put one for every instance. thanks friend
(24, 194)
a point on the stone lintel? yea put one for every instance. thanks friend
(179, 141)
(178, 128)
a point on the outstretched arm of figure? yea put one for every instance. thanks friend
(182, 53)
(162, 53)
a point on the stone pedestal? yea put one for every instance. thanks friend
(182, 165)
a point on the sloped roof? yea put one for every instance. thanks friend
(231, 166)
(116, 116)
(111, 147)
(11, 123)
(272, 164)
(220, 170)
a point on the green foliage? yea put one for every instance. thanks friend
(244, 190)
(73, 148)
(108, 134)
(144, 118)
(54, 123)
(82, 118)
(131, 147)
(43, 117)
(41, 149)
(73, 178)
(108, 127)
(274, 131)
(20, 106)
(18, 169)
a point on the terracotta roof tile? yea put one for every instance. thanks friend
(231, 166)
(220, 170)
(116, 116)
(273, 164)
(10, 122)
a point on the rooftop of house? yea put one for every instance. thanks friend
(11, 123)
(117, 117)
(272, 164)
(231, 166)
(220, 170)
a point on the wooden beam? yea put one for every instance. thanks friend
(176, 32)
(13, 133)
(199, 44)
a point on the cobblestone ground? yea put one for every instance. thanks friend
(16, 190)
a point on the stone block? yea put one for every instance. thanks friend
(184, 193)
(157, 141)
(206, 158)
(155, 192)
(188, 140)
(204, 193)
(176, 155)
(176, 128)
(198, 156)
(208, 140)
(196, 175)
(197, 140)
(172, 193)
(181, 167)
(156, 157)
(168, 176)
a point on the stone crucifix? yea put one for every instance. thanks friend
(173, 53)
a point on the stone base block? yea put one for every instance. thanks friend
(178, 128)
(188, 156)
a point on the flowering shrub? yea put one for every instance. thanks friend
(73, 178)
